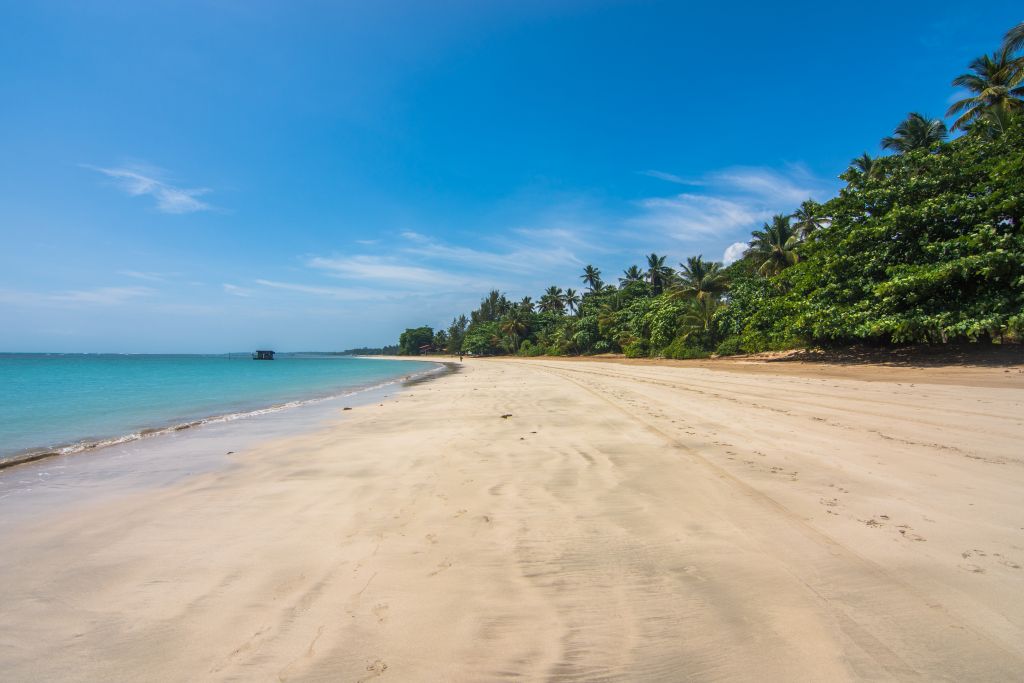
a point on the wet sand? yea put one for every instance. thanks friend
(556, 520)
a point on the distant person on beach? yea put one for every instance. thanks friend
(460, 357)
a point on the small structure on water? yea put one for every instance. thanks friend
(263, 355)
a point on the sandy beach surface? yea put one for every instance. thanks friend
(564, 521)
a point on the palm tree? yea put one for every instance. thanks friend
(995, 121)
(492, 307)
(775, 244)
(866, 165)
(915, 132)
(592, 278)
(658, 274)
(700, 316)
(995, 84)
(526, 304)
(1014, 39)
(631, 274)
(808, 218)
(514, 326)
(699, 279)
(572, 300)
(553, 300)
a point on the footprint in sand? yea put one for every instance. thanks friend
(445, 564)
(432, 538)
(376, 668)
(381, 612)
(981, 553)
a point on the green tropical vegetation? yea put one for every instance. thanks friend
(923, 245)
(370, 351)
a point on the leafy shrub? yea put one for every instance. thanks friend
(635, 349)
(682, 348)
(528, 348)
(729, 347)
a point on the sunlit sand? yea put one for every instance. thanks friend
(621, 523)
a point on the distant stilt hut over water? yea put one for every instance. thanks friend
(263, 355)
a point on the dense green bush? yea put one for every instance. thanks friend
(413, 339)
(729, 347)
(682, 348)
(528, 348)
(636, 349)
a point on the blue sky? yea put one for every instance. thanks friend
(219, 176)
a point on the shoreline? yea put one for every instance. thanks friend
(90, 444)
(558, 519)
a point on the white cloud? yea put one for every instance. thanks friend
(691, 216)
(383, 270)
(103, 296)
(520, 251)
(784, 189)
(100, 296)
(340, 293)
(670, 177)
(138, 181)
(728, 201)
(734, 252)
(517, 259)
(139, 275)
(236, 290)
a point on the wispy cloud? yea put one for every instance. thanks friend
(140, 275)
(103, 296)
(692, 216)
(340, 293)
(728, 201)
(383, 270)
(140, 181)
(790, 186)
(99, 296)
(415, 236)
(518, 259)
(669, 177)
(236, 290)
(521, 251)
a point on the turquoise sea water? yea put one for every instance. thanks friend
(73, 401)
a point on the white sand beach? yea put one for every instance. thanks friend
(564, 521)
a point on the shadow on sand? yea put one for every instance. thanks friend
(965, 355)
